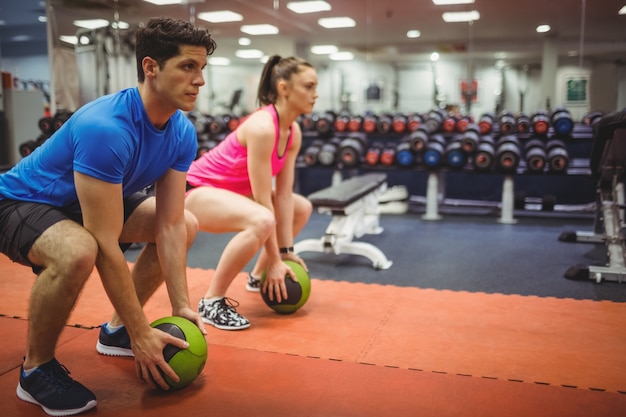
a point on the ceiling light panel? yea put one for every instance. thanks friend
(91, 23)
(324, 49)
(221, 16)
(259, 29)
(308, 6)
(336, 22)
(449, 2)
(164, 2)
(461, 16)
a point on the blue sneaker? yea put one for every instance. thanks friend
(114, 343)
(50, 387)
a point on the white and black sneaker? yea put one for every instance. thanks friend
(253, 284)
(222, 313)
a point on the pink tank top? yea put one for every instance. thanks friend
(226, 165)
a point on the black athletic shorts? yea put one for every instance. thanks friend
(21, 223)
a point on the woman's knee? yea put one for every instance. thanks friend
(191, 223)
(302, 208)
(263, 222)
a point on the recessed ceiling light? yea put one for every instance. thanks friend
(244, 41)
(543, 28)
(336, 22)
(622, 10)
(219, 60)
(447, 2)
(264, 29)
(308, 6)
(461, 16)
(164, 2)
(91, 23)
(342, 56)
(324, 49)
(249, 53)
(434, 56)
(414, 33)
(220, 16)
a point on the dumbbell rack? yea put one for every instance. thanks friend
(436, 178)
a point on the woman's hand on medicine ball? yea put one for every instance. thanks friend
(274, 284)
(192, 316)
(293, 257)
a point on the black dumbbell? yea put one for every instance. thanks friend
(485, 154)
(470, 139)
(352, 150)
(485, 123)
(508, 154)
(535, 155)
(540, 122)
(418, 139)
(434, 151)
(312, 151)
(558, 157)
(506, 122)
(328, 154)
(455, 156)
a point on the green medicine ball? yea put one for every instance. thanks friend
(187, 363)
(297, 292)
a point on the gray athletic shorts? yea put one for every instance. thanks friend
(21, 224)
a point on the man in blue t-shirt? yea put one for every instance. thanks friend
(76, 202)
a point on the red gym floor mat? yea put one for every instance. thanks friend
(244, 382)
(548, 341)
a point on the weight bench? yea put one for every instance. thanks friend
(353, 204)
(607, 160)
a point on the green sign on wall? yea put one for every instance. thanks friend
(576, 89)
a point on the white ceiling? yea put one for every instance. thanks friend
(504, 26)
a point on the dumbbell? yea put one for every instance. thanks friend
(448, 125)
(46, 125)
(60, 118)
(27, 147)
(535, 155)
(405, 156)
(522, 123)
(485, 123)
(414, 120)
(418, 139)
(591, 118)
(470, 139)
(223, 123)
(454, 155)
(369, 123)
(463, 123)
(540, 122)
(324, 123)
(355, 123)
(328, 154)
(558, 157)
(434, 120)
(399, 123)
(507, 122)
(384, 124)
(352, 150)
(307, 124)
(561, 121)
(388, 154)
(508, 154)
(372, 156)
(341, 122)
(434, 150)
(312, 151)
(485, 154)
(202, 123)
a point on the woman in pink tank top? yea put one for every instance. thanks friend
(245, 185)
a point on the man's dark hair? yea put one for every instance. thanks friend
(161, 38)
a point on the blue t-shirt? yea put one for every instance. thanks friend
(110, 139)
